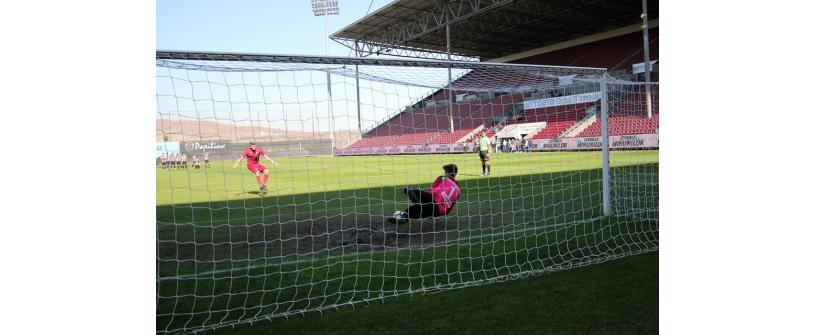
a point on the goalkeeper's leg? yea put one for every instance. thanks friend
(417, 196)
(421, 211)
(422, 205)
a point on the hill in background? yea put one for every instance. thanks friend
(175, 130)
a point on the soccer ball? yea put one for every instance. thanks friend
(399, 214)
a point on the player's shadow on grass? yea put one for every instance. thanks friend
(257, 193)
(479, 195)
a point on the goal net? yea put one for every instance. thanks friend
(347, 136)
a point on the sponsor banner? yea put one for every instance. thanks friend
(443, 148)
(565, 80)
(167, 147)
(461, 147)
(219, 150)
(552, 144)
(595, 143)
(407, 149)
(200, 147)
(516, 130)
(640, 67)
(549, 144)
(292, 153)
(562, 101)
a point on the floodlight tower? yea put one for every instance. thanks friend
(325, 8)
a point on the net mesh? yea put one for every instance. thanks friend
(347, 136)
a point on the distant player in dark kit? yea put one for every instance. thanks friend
(438, 200)
(163, 159)
(206, 158)
(484, 153)
(253, 155)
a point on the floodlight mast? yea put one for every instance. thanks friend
(450, 98)
(646, 55)
(359, 112)
(325, 8)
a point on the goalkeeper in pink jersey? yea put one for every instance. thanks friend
(253, 155)
(438, 200)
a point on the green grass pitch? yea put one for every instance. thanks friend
(228, 256)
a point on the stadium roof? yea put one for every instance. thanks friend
(485, 29)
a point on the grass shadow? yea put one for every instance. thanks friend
(242, 260)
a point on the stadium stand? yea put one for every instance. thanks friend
(616, 46)
(613, 53)
(430, 125)
(558, 118)
(628, 117)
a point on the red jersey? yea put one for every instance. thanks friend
(253, 157)
(445, 193)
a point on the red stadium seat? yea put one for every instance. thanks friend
(430, 125)
(629, 117)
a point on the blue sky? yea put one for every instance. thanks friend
(274, 27)
(255, 26)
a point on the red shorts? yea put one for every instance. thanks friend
(256, 168)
